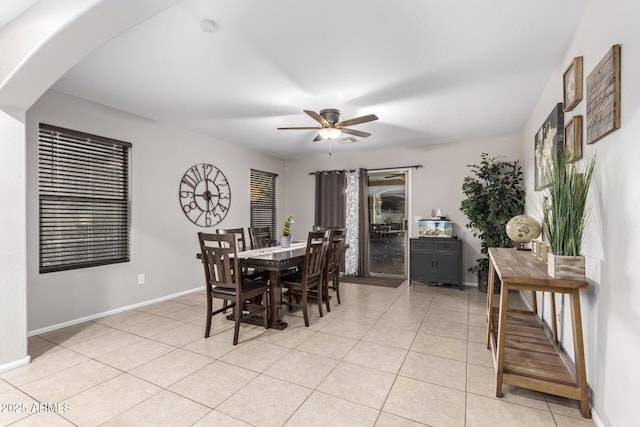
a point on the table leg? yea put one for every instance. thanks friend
(554, 316)
(276, 313)
(502, 323)
(490, 288)
(578, 349)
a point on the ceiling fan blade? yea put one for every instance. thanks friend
(355, 132)
(357, 120)
(317, 117)
(304, 128)
(317, 138)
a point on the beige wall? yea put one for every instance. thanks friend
(437, 185)
(163, 240)
(13, 321)
(611, 305)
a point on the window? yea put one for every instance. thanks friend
(263, 200)
(84, 199)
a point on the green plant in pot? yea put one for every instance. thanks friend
(494, 194)
(285, 240)
(565, 216)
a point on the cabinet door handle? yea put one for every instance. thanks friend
(436, 264)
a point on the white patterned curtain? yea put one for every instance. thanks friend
(353, 203)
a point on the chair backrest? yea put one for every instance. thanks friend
(337, 239)
(220, 260)
(315, 255)
(260, 237)
(241, 242)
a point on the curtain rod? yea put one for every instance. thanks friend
(375, 169)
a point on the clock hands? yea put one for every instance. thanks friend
(207, 196)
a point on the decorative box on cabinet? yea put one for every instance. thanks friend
(434, 259)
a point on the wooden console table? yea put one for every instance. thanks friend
(525, 353)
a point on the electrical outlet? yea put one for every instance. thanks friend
(141, 279)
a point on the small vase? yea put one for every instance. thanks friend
(285, 241)
(565, 267)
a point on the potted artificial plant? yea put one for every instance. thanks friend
(285, 239)
(565, 217)
(494, 194)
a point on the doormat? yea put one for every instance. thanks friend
(387, 282)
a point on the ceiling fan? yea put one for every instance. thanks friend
(331, 127)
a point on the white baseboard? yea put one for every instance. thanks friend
(15, 364)
(596, 419)
(110, 312)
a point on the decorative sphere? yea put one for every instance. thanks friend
(523, 228)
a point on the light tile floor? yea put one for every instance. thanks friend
(409, 356)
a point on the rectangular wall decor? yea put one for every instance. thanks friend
(572, 84)
(573, 139)
(603, 96)
(549, 139)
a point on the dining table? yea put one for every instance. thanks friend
(273, 261)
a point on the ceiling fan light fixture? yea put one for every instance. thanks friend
(330, 133)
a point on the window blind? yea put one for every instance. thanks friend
(84, 199)
(263, 200)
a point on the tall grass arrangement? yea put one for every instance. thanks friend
(566, 219)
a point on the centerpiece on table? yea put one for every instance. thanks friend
(565, 217)
(285, 239)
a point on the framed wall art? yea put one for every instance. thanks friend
(573, 139)
(603, 96)
(548, 139)
(572, 84)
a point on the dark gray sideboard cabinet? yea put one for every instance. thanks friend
(434, 259)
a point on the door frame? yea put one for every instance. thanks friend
(408, 171)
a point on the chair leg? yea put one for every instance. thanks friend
(304, 308)
(319, 293)
(207, 328)
(325, 294)
(224, 306)
(265, 312)
(336, 282)
(236, 314)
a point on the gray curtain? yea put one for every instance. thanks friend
(363, 225)
(331, 199)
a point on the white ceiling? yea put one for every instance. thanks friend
(433, 71)
(11, 9)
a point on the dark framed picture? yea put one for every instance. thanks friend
(548, 140)
(572, 84)
(603, 96)
(573, 139)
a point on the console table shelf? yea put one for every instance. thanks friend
(525, 352)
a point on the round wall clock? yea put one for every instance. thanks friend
(205, 195)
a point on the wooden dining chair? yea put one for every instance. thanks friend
(260, 237)
(337, 239)
(241, 244)
(241, 241)
(220, 261)
(310, 278)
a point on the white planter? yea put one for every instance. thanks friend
(285, 241)
(565, 267)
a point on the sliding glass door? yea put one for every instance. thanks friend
(388, 213)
